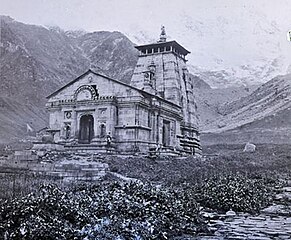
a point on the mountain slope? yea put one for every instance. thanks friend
(269, 99)
(211, 100)
(35, 61)
(262, 116)
(111, 52)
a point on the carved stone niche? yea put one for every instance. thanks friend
(147, 77)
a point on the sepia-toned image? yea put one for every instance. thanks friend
(143, 119)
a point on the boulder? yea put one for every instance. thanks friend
(249, 147)
(230, 213)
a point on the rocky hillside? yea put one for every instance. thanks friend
(35, 61)
(110, 51)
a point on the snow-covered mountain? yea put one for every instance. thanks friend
(238, 45)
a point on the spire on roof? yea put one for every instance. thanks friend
(163, 36)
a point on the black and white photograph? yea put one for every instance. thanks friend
(145, 119)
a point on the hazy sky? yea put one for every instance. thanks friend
(219, 33)
(132, 15)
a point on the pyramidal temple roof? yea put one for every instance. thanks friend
(164, 43)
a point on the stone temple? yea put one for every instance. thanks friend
(156, 110)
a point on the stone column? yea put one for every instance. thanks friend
(75, 131)
(96, 126)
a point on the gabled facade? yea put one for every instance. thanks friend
(157, 110)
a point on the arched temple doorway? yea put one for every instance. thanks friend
(86, 132)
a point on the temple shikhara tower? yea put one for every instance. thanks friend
(156, 110)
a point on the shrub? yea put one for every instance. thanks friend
(234, 191)
(104, 211)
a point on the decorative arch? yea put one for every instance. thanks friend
(86, 89)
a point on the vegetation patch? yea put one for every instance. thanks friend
(167, 205)
(103, 211)
(234, 192)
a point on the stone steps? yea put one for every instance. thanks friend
(87, 148)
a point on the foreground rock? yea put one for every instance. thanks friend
(249, 147)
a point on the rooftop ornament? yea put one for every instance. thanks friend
(163, 36)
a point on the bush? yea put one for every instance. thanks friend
(234, 191)
(104, 211)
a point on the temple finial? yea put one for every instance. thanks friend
(163, 36)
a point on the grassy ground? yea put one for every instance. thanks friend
(270, 161)
(219, 159)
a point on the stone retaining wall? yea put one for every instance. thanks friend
(71, 167)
